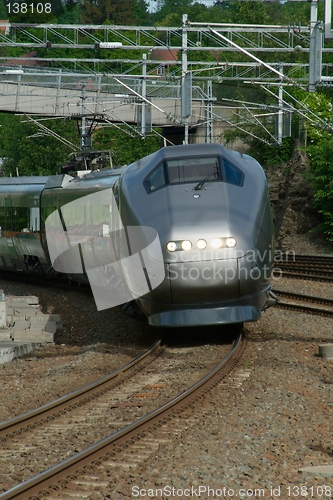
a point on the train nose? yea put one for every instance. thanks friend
(203, 281)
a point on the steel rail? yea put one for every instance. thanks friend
(323, 272)
(304, 297)
(299, 275)
(54, 478)
(299, 264)
(306, 270)
(292, 257)
(29, 420)
(307, 309)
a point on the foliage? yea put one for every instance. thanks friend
(276, 154)
(43, 155)
(71, 14)
(144, 18)
(266, 154)
(35, 155)
(3, 10)
(321, 166)
(120, 12)
(321, 106)
(170, 12)
(127, 149)
(320, 151)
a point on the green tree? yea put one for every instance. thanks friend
(115, 139)
(320, 151)
(31, 155)
(170, 12)
(23, 148)
(144, 18)
(3, 10)
(71, 14)
(322, 168)
(120, 12)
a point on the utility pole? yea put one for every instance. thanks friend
(186, 82)
(280, 112)
(209, 113)
(315, 52)
(144, 108)
(83, 122)
(144, 92)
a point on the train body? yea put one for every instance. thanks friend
(205, 256)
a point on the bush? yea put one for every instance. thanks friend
(321, 156)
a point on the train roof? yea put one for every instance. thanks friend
(24, 180)
(147, 163)
(102, 173)
(56, 180)
(202, 150)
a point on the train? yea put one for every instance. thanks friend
(185, 233)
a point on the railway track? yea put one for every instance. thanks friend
(297, 258)
(63, 426)
(35, 418)
(296, 303)
(91, 467)
(309, 267)
(85, 469)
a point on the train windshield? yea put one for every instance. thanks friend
(192, 170)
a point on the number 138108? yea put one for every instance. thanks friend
(29, 8)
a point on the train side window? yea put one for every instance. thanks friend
(3, 218)
(21, 219)
(116, 192)
(156, 179)
(232, 174)
(51, 214)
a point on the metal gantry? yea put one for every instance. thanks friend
(219, 39)
(147, 83)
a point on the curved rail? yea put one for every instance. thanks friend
(309, 267)
(305, 298)
(29, 420)
(297, 258)
(109, 446)
(306, 274)
(324, 270)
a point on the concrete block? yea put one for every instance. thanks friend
(323, 470)
(5, 335)
(11, 350)
(27, 323)
(32, 336)
(326, 351)
(25, 299)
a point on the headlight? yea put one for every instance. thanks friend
(231, 242)
(186, 245)
(217, 243)
(171, 246)
(201, 244)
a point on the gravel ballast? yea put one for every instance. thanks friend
(250, 441)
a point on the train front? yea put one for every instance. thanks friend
(210, 207)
